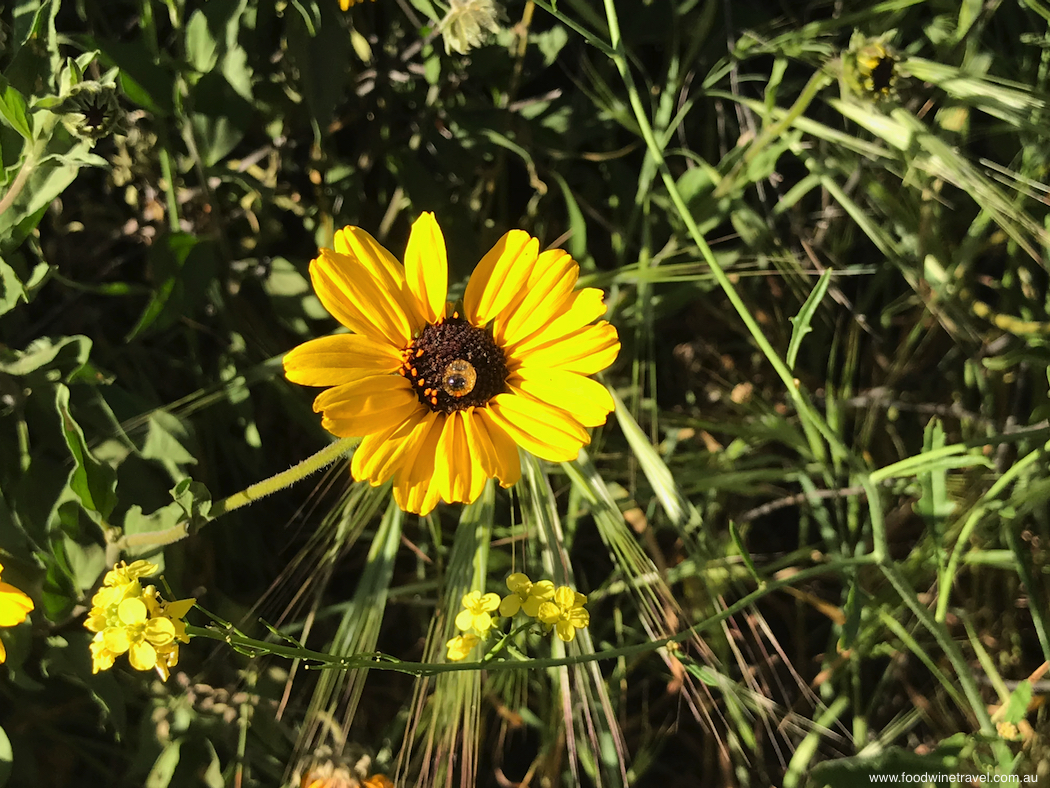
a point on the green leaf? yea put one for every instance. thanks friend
(195, 501)
(202, 50)
(13, 110)
(1017, 706)
(800, 322)
(46, 359)
(857, 772)
(47, 180)
(164, 767)
(165, 440)
(934, 505)
(11, 290)
(94, 483)
(7, 758)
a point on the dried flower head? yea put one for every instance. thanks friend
(468, 23)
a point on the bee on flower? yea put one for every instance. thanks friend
(442, 394)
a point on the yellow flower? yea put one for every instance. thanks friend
(565, 613)
(346, 5)
(125, 573)
(525, 595)
(467, 24)
(460, 646)
(443, 396)
(15, 605)
(475, 612)
(129, 619)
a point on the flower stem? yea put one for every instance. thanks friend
(29, 163)
(176, 533)
(311, 464)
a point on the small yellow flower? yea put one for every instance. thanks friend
(129, 619)
(14, 607)
(460, 646)
(565, 613)
(476, 610)
(1008, 731)
(125, 573)
(525, 595)
(346, 5)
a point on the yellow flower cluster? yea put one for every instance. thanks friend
(559, 608)
(15, 605)
(129, 619)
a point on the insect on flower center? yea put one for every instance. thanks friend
(454, 365)
(459, 378)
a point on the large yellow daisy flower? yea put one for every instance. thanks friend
(441, 394)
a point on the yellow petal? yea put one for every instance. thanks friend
(160, 631)
(381, 454)
(464, 620)
(543, 299)
(132, 611)
(3, 654)
(413, 490)
(116, 640)
(15, 605)
(506, 465)
(500, 276)
(360, 301)
(426, 268)
(566, 631)
(578, 310)
(370, 254)
(334, 360)
(510, 605)
(454, 468)
(367, 405)
(587, 400)
(585, 351)
(142, 655)
(539, 428)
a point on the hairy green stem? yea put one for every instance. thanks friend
(296, 473)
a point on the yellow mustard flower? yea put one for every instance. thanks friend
(467, 24)
(525, 595)
(129, 619)
(460, 646)
(346, 5)
(444, 395)
(125, 573)
(15, 605)
(565, 613)
(476, 612)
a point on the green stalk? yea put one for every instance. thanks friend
(312, 464)
(296, 473)
(379, 661)
(946, 579)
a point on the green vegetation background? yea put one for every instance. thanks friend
(823, 232)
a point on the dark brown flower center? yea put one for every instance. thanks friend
(882, 74)
(454, 365)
